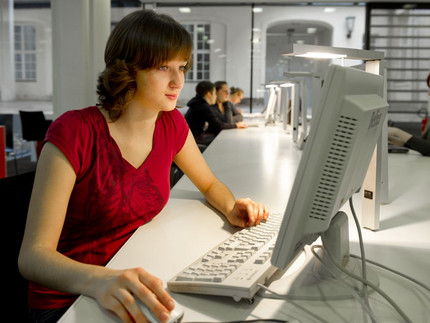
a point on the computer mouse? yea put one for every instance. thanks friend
(175, 315)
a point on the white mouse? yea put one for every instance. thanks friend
(175, 315)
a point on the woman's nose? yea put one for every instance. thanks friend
(177, 79)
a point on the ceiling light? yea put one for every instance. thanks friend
(185, 10)
(257, 10)
(287, 85)
(305, 50)
(320, 55)
(329, 10)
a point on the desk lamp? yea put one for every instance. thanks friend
(287, 90)
(280, 89)
(300, 78)
(375, 185)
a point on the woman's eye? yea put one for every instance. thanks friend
(163, 68)
(183, 68)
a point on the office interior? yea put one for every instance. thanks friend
(241, 42)
(52, 51)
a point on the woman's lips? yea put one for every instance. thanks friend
(172, 96)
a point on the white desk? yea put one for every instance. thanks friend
(261, 163)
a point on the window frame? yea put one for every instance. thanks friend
(201, 55)
(25, 55)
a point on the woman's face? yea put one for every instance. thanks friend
(222, 93)
(159, 88)
(236, 98)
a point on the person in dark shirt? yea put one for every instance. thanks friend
(202, 119)
(400, 137)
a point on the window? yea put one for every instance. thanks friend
(25, 53)
(403, 34)
(200, 33)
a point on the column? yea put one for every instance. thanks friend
(80, 29)
(7, 77)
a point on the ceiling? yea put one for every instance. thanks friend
(219, 2)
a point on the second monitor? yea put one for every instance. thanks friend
(335, 159)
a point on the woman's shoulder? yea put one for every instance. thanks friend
(174, 121)
(78, 114)
(174, 115)
(75, 121)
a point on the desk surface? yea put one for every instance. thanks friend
(261, 163)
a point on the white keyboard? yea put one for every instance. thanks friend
(235, 266)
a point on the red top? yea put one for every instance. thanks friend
(111, 198)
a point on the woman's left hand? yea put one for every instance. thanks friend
(246, 212)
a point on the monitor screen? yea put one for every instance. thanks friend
(336, 156)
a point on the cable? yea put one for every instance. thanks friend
(421, 284)
(285, 297)
(354, 293)
(363, 257)
(363, 261)
(368, 283)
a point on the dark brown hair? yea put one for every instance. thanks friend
(204, 87)
(219, 84)
(141, 40)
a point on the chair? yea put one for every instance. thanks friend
(34, 127)
(7, 121)
(15, 192)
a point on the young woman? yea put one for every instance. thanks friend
(201, 118)
(104, 171)
(236, 95)
(224, 108)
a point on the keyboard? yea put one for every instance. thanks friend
(235, 267)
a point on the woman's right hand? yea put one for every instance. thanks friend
(118, 292)
(241, 125)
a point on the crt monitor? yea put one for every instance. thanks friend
(336, 156)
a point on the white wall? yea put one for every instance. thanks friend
(274, 15)
(230, 56)
(238, 35)
(231, 30)
(42, 88)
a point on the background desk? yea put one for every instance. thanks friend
(261, 163)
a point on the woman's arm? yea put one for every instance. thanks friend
(40, 262)
(242, 212)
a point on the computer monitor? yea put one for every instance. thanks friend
(342, 138)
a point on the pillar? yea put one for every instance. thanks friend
(7, 76)
(80, 29)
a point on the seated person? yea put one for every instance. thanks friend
(201, 117)
(399, 137)
(223, 107)
(235, 97)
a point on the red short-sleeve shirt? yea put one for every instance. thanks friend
(111, 198)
